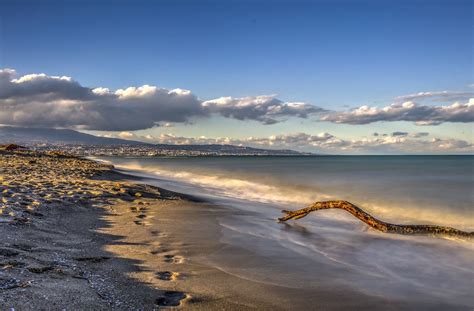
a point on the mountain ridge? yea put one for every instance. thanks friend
(24, 135)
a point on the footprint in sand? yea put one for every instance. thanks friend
(167, 275)
(170, 299)
(173, 259)
(142, 216)
(158, 234)
(158, 251)
(135, 209)
(141, 222)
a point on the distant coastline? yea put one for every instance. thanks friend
(82, 144)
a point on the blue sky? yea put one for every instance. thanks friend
(332, 54)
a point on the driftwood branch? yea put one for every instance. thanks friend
(374, 222)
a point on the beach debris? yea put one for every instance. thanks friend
(13, 283)
(11, 264)
(374, 222)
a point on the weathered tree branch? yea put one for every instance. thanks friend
(374, 222)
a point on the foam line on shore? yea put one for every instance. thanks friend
(289, 197)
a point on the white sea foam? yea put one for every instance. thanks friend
(232, 187)
(286, 195)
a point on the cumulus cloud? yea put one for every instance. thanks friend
(407, 111)
(126, 135)
(265, 108)
(51, 101)
(38, 100)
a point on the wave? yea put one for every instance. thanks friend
(298, 196)
(232, 187)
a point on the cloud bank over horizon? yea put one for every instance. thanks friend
(39, 100)
(395, 142)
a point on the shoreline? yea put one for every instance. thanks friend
(220, 268)
(111, 241)
(105, 252)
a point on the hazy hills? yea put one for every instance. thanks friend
(56, 136)
(21, 135)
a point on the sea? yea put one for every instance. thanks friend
(335, 247)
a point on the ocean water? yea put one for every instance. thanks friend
(430, 189)
(332, 246)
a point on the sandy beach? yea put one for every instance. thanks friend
(53, 255)
(78, 234)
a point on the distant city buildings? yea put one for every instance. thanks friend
(145, 150)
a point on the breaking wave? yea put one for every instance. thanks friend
(278, 192)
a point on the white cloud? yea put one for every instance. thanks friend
(126, 135)
(407, 111)
(41, 76)
(137, 92)
(265, 108)
(39, 100)
(180, 92)
(101, 91)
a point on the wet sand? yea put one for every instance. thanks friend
(173, 242)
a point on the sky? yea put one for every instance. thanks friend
(323, 76)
